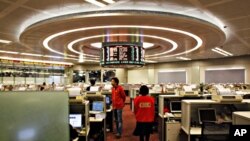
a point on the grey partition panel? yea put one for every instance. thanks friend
(172, 77)
(225, 76)
(34, 117)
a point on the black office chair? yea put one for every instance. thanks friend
(212, 131)
(246, 96)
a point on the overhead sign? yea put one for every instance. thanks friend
(122, 54)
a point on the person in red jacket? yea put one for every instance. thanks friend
(118, 100)
(144, 114)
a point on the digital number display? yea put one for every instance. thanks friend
(119, 54)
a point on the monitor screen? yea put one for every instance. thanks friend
(108, 100)
(75, 120)
(76, 108)
(94, 89)
(175, 106)
(206, 114)
(97, 106)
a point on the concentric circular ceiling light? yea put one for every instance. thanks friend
(198, 39)
(71, 44)
(144, 44)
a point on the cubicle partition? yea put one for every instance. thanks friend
(29, 116)
(97, 119)
(190, 122)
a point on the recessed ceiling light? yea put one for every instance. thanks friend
(71, 44)
(81, 59)
(214, 50)
(197, 46)
(31, 54)
(97, 44)
(9, 52)
(228, 53)
(32, 60)
(150, 61)
(221, 51)
(4, 41)
(109, 1)
(147, 45)
(183, 58)
(49, 56)
(96, 3)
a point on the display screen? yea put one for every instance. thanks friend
(75, 120)
(118, 54)
(97, 106)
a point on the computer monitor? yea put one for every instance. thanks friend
(97, 106)
(94, 88)
(73, 92)
(206, 114)
(76, 108)
(108, 100)
(175, 106)
(75, 120)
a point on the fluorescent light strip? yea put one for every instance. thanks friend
(217, 51)
(48, 56)
(5, 41)
(30, 54)
(228, 53)
(97, 3)
(9, 52)
(109, 1)
(40, 61)
(59, 57)
(147, 45)
(180, 70)
(183, 58)
(81, 59)
(71, 44)
(226, 68)
(150, 61)
(198, 39)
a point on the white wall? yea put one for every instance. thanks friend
(195, 69)
(138, 76)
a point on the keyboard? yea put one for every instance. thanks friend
(95, 112)
(177, 115)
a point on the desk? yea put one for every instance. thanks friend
(241, 118)
(190, 108)
(109, 119)
(93, 119)
(83, 135)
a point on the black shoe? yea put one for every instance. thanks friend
(118, 136)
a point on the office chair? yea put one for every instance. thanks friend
(212, 131)
(246, 96)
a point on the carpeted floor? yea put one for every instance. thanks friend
(128, 127)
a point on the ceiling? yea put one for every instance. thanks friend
(62, 31)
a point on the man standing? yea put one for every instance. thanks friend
(118, 100)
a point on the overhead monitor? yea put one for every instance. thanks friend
(206, 114)
(175, 106)
(97, 106)
(75, 120)
(122, 54)
(108, 100)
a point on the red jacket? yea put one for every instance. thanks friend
(118, 97)
(144, 109)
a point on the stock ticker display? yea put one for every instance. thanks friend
(122, 54)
